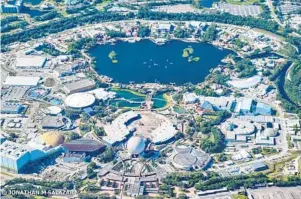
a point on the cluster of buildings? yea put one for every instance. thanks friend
(17, 157)
(11, 6)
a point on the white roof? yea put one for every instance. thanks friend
(21, 81)
(245, 83)
(30, 61)
(101, 94)
(163, 133)
(135, 145)
(118, 130)
(79, 100)
(13, 150)
(54, 110)
(189, 97)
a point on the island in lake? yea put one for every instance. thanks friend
(146, 62)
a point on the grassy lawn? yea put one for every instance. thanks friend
(242, 2)
(101, 5)
(239, 196)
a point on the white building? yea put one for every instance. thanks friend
(118, 130)
(16, 156)
(30, 62)
(21, 81)
(190, 98)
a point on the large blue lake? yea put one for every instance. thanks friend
(146, 62)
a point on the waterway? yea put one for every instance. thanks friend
(207, 3)
(126, 98)
(146, 62)
(129, 99)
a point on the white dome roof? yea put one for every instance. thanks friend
(79, 100)
(135, 145)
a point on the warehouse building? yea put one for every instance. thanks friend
(21, 81)
(52, 122)
(246, 106)
(84, 146)
(30, 62)
(14, 156)
(263, 109)
(12, 108)
(79, 86)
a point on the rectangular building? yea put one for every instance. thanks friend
(30, 62)
(79, 86)
(14, 156)
(246, 106)
(11, 6)
(263, 109)
(21, 81)
(11, 108)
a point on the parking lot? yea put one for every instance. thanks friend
(277, 193)
(241, 10)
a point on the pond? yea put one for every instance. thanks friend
(131, 99)
(146, 62)
(127, 98)
(159, 101)
(32, 2)
(33, 12)
(207, 3)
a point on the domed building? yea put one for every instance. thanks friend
(135, 145)
(52, 138)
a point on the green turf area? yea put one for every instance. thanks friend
(239, 196)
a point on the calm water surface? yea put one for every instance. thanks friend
(146, 62)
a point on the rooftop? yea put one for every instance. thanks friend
(30, 61)
(83, 145)
(21, 81)
(13, 150)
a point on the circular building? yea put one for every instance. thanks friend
(238, 127)
(52, 138)
(135, 145)
(187, 158)
(79, 100)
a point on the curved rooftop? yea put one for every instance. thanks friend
(79, 100)
(187, 158)
(52, 138)
(245, 82)
(135, 145)
(238, 127)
